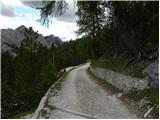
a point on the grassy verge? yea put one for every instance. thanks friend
(151, 94)
(117, 65)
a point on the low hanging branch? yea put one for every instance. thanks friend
(50, 9)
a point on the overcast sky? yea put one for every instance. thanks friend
(20, 12)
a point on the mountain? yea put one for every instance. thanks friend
(53, 39)
(11, 39)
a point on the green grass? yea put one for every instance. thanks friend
(117, 65)
(151, 94)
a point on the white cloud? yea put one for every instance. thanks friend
(7, 10)
(13, 3)
(69, 15)
(61, 28)
(8, 7)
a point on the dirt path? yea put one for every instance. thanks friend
(81, 97)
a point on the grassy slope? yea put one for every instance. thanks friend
(117, 65)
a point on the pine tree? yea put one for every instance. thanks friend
(91, 17)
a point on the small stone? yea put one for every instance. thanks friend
(143, 103)
(114, 96)
(119, 95)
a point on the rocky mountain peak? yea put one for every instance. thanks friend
(20, 28)
(53, 39)
(11, 39)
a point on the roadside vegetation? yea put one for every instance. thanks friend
(149, 94)
(118, 65)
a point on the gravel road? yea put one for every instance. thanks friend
(81, 97)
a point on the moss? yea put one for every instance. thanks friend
(117, 65)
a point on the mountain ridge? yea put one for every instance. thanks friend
(11, 39)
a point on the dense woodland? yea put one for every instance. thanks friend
(109, 28)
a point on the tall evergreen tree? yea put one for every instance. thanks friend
(91, 17)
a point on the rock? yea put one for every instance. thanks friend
(152, 73)
(148, 112)
(119, 95)
(143, 103)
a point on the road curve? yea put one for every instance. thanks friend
(81, 97)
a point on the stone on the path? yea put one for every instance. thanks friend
(119, 95)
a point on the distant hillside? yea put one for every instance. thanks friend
(11, 39)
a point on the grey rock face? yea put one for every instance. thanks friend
(120, 81)
(11, 39)
(143, 103)
(152, 73)
(9, 36)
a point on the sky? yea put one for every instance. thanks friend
(15, 13)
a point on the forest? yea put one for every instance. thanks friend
(109, 28)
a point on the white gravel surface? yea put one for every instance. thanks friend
(80, 95)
